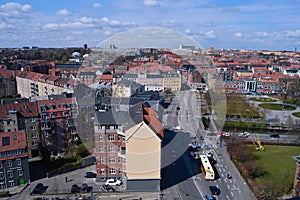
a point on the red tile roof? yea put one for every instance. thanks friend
(25, 109)
(17, 140)
(150, 117)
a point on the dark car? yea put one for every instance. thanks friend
(75, 188)
(228, 176)
(214, 190)
(107, 188)
(90, 175)
(84, 187)
(209, 197)
(275, 135)
(38, 189)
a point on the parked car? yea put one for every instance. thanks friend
(215, 190)
(38, 189)
(226, 134)
(75, 188)
(113, 182)
(209, 197)
(177, 128)
(84, 187)
(211, 134)
(244, 134)
(90, 175)
(107, 188)
(275, 135)
(209, 154)
(228, 176)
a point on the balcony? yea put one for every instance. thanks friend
(122, 154)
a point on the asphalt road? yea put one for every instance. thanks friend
(181, 175)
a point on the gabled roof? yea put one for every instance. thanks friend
(17, 140)
(25, 109)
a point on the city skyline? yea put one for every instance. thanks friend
(247, 24)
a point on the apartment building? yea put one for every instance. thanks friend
(22, 116)
(57, 124)
(31, 84)
(126, 88)
(128, 145)
(7, 83)
(14, 169)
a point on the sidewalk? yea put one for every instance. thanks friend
(13, 190)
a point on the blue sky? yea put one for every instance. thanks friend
(231, 24)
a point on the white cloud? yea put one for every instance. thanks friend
(187, 31)
(63, 12)
(51, 26)
(210, 34)
(105, 19)
(238, 34)
(151, 3)
(87, 20)
(168, 23)
(261, 34)
(15, 10)
(97, 5)
(75, 25)
(292, 33)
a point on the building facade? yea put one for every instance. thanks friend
(14, 169)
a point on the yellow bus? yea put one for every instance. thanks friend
(206, 168)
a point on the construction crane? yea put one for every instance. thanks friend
(260, 146)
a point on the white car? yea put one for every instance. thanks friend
(177, 128)
(244, 134)
(226, 134)
(113, 182)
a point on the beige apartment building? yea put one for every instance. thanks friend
(31, 84)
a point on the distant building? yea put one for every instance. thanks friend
(296, 188)
(14, 169)
(8, 83)
(126, 88)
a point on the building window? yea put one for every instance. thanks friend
(10, 173)
(34, 143)
(101, 137)
(18, 161)
(14, 137)
(33, 127)
(32, 119)
(101, 160)
(112, 170)
(101, 149)
(111, 137)
(1, 165)
(102, 171)
(1, 175)
(33, 135)
(9, 163)
(20, 172)
(111, 148)
(112, 160)
(11, 183)
(2, 185)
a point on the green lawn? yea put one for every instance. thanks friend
(275, 106)
(296, 114)
(279, 166)
(238, 107)
(263, 99)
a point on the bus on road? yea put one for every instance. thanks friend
(206, 168)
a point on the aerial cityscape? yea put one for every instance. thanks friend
(151, 99)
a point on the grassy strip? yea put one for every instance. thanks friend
(296, 114)
(263, 99)
(275, 106)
